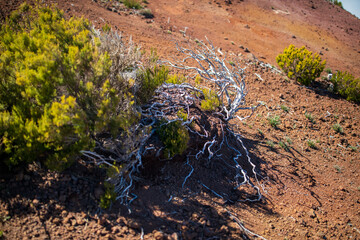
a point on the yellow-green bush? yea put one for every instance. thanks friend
(55, 94)
(347, 86)
(211, 101)
(174, 136)
(150, 79)
(300, 64)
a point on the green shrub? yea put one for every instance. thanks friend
(336, 2)
(312, 144)
(337, 128)
(284, 145)
(347, 86)
(270, 143)
(174, 136)
(150, 80)
(133, 4)
(300, 64)
(284, 108)
(108, 197)
(274, 121)
(211, 101)
(176, 79)
(147, 13)
(55, 89)
(310, 117)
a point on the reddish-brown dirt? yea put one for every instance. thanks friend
(309, 193)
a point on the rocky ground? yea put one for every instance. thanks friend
(309, 172)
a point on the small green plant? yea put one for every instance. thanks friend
(109, 196)
(336, 2)
(211, 101)
(337, 128)
(176, 79)
(147, 13)
(347, 86)
(260, 132)
(338, 169)
(285, 108)
(310, 117)
(312, 144)
(270, 143)
(1, 234)
(288, 140)
(106, 28)
(274, 121)
(232, 63)
(284, 145)
(328, 70)
(300, 64)
(150, 79)
(174, 136)
(133, 4)
(182, 115)
(353, 148)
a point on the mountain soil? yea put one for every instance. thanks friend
(309, 172)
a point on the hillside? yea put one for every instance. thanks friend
(309, 172)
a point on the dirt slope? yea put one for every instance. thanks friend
(310, 193)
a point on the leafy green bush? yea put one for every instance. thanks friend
(55, 89)
(211, 101)
(347, 86)
(133, 4)
(336, 2)
(174, 136)
(108, 197)
(300, 64)
(274, 121)
(285, 108)
(150, 79)
(337, 128)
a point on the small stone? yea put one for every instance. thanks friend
(174, 236)
(312, 213)
(133, 224)
(35, 202)
(56, 221)
(158, 235)
(293, 36)
(247, 26)
(247, 50)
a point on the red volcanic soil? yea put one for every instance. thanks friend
(309, 193)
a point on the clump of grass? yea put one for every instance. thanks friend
(338, 169)
(270, 143)
(337, 128)
(312, 144)
(274, 121)
(310, 117)
(133, 4)
(285, 108)
(147, 13)
(288, 140)
(284, 145)
(260, 132)
(353, 148)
